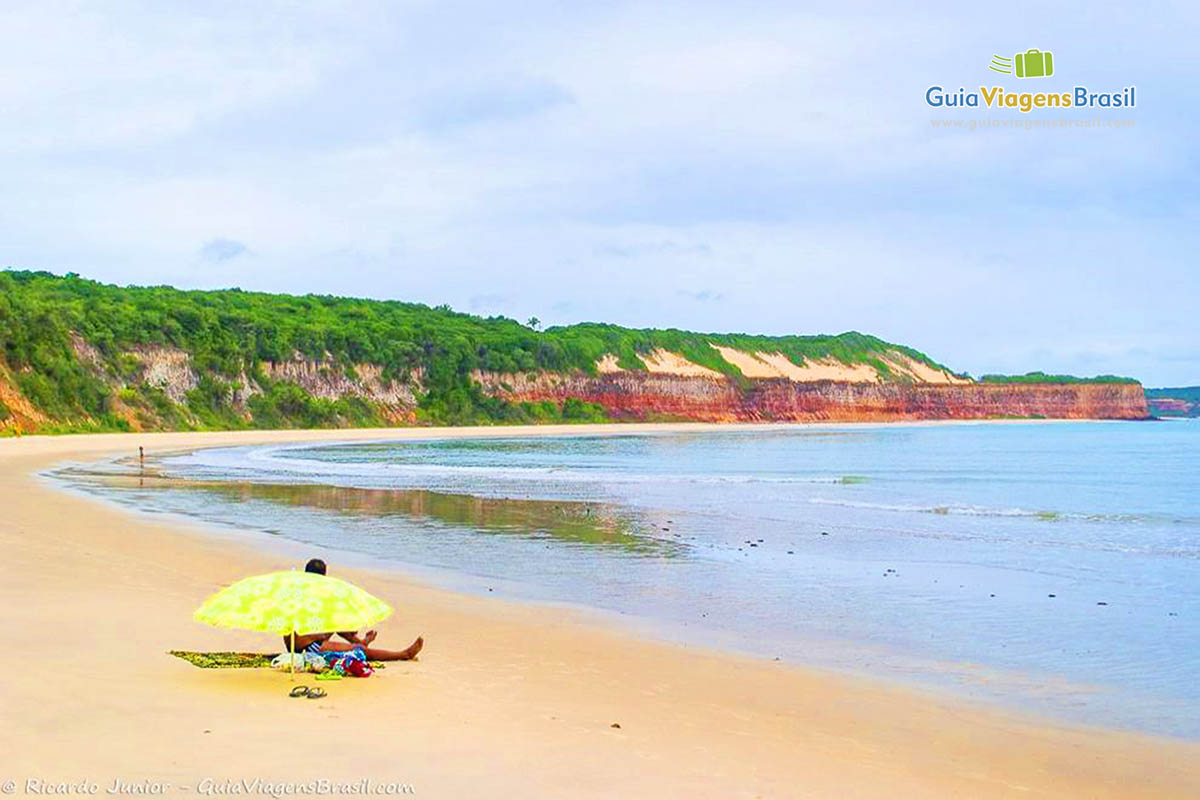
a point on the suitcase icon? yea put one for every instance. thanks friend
(1034, 64)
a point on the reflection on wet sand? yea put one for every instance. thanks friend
(565, 521)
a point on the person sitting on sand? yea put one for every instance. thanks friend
(322, 643)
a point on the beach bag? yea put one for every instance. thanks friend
(304, 662)
(285, 663)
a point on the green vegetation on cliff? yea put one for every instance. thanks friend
(230, 334)
(77, 355)
(1189, 393)
(589, 341)
(1043, 378)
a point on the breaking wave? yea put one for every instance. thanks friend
(984, 511)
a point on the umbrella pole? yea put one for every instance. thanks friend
(292, 654)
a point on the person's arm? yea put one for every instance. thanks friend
(350, 636)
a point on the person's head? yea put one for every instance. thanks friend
(315, 565)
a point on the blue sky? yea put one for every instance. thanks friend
(769, 169)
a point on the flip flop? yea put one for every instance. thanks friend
(299, 691)
(316, 693)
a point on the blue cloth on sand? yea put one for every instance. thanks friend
(354, 654)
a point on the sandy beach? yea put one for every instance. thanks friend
(506, 700)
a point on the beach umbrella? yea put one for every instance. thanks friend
(292, 604)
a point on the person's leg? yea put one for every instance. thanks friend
(302, 642)
(408, 653)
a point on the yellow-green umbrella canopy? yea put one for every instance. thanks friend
(292, 602)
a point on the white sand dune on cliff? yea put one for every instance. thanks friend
(662, 362)
(922, 373)
(608, 364)
(763, 365)
(668, 363)
(777, 365)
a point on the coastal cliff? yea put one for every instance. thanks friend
(718, 399)
(1183, 401)
(77, 355)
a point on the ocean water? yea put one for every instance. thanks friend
(1051, 567)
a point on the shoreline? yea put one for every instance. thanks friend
(956, 679)
(600, 428)
(507, 697)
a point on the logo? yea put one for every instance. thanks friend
(1032, 63)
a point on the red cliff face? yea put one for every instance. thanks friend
(637, 395)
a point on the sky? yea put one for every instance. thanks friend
(752, 167)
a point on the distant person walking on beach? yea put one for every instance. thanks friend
(321, 643)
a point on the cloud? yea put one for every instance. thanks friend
(587, 161)
(481, 103)
(481, 303)
(703, 296)
(659, 248)
(217, 250)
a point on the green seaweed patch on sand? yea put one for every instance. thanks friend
(224, 660)
(231, 660)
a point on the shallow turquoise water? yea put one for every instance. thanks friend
(1051, 566)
